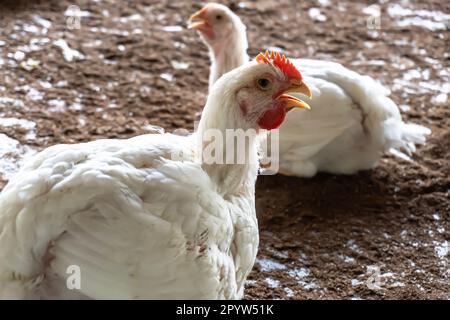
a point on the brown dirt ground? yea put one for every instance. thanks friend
(319, 236)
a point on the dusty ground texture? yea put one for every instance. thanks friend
(136, 65)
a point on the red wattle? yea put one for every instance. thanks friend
(272, 118)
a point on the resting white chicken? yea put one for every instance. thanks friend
(352, 122)
(149, 217)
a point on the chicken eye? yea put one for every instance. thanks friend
(219, 17)
(263, 83)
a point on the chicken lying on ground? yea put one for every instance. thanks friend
(352, 122)
(137, 222)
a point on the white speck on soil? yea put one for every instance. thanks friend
(356, 282)
(12, 155)
(68, 53)
(76, 106)
(316, 15)
(82, 121)
(43, 22)
(432, 20)
(93, 44)
(62, 83)
(289, 292)
(267, 265)
(250, 283)
(179, 45)
(172, 28)
(57, 105)
(441, 249)
(15, 102)
(30, 28)
(118, 32)
(300, 274)
(404, 107)
(30, 64)
(324, 3)
(440, 99)
(166, 76)
(32, 93)
(397, 284)
(45, 84)
(302, 256)
(278, 254)
(179, 65)
(353, 246)
(273, 283)
(387, 275)
(30, 126)
(412, 74)
(134, 17)
(433, 86)
(19, 55)
(347, 259)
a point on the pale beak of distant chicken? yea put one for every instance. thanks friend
(198, 21)
(294, 102)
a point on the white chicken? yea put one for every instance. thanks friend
(352, 122)
(148, 217)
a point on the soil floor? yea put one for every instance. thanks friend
(379, 234)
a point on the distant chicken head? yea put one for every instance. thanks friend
(215, 22)
(262, 93)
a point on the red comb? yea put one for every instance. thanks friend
(281, 62)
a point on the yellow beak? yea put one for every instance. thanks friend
(294, 102)
(197, 20)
